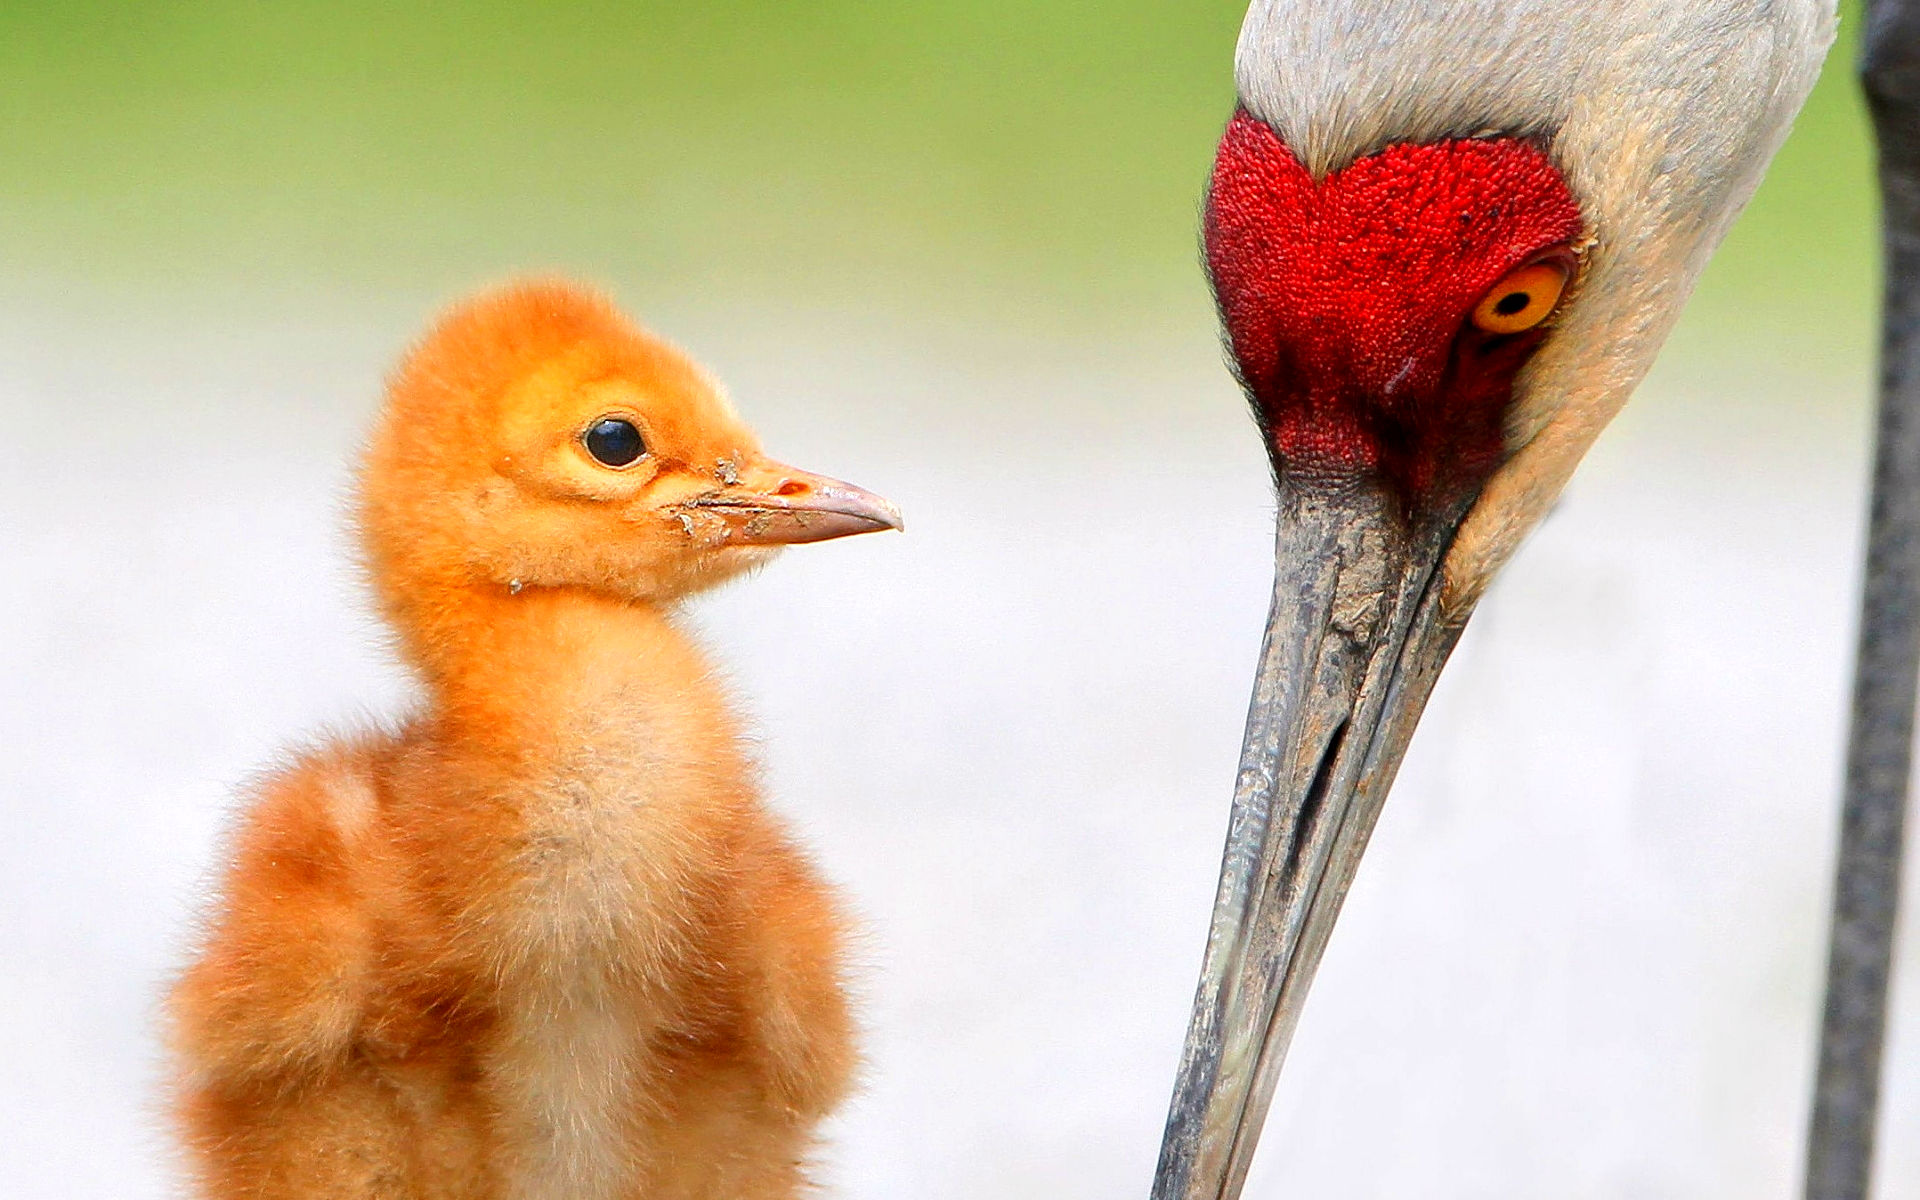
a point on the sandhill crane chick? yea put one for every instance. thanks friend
(542, 939)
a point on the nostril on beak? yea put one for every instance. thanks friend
(793, 487)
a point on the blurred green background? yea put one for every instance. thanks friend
(996, 159)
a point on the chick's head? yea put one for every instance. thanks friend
(538, 439)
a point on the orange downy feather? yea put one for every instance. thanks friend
(543, 940)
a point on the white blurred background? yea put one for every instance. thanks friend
(1582, 958)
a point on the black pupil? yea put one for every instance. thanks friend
(1512, 303)
(614, 442)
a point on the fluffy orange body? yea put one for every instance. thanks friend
(542, 940)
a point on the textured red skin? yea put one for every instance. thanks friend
(1346, 302)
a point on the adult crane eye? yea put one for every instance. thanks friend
(1521, 300)
(614, 442)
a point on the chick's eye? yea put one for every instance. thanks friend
(613, 442)
(1521, 300)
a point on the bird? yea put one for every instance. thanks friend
(1446, 239)
(541, 937)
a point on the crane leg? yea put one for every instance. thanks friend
(1880, 744)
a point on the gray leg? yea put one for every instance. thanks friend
(1879, 752)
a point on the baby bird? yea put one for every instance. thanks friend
(542, 940)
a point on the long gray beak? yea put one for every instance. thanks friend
(1353, 645)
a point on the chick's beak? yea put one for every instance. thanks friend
(770, 504)
(1354, 641)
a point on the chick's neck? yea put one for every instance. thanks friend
(530, 675)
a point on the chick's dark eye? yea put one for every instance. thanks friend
(614, 442)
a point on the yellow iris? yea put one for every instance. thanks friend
(1521, 300)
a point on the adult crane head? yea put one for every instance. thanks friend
(1447, 238)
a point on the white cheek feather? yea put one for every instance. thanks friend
(1661, 114)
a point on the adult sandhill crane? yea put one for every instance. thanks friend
(1446, 238)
